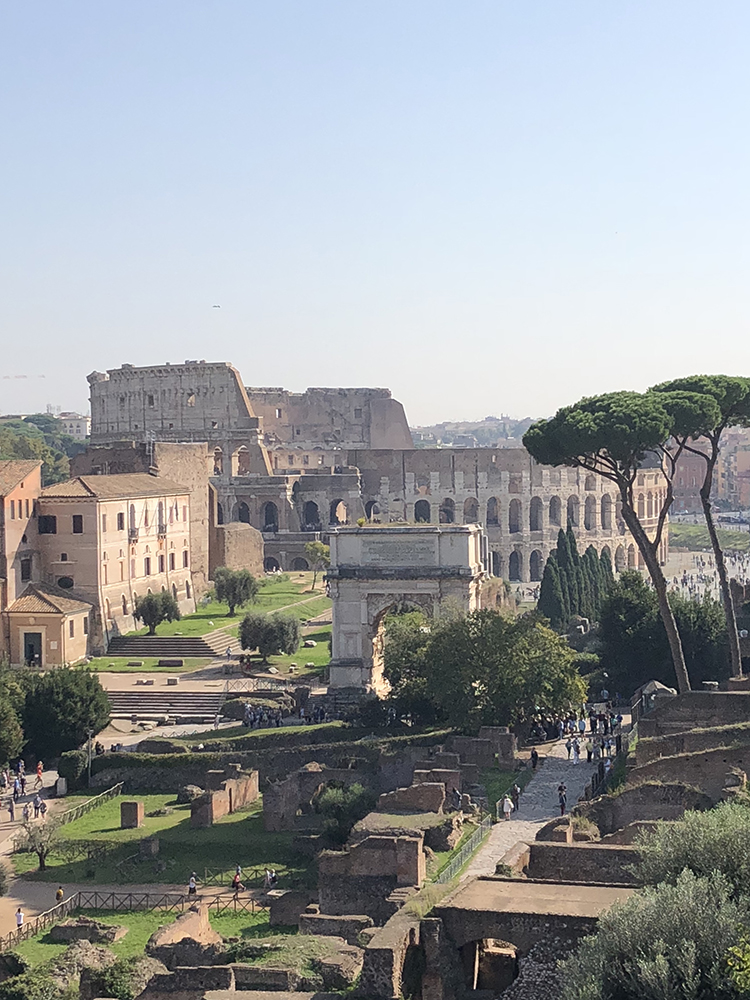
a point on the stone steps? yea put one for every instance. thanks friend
(149, 705)
(164, 646)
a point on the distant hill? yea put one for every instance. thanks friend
(492, 432)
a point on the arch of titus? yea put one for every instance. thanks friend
(374, 569)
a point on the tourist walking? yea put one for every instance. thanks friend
(39, 782)
(19, 918)
(562, 797)
(11, 810)
(534, 758)
(515, 794)
(59, 894)
(237, 884)
(192, 885)
(506, 807)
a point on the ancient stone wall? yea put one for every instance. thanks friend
(640, 802)
(698, 739)
(711, 771)
(582, 863)
(283, 800)
(232, 794)
(237, 546)
(695, 710)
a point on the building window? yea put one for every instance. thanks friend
(104, 522)
(357, 413)
(66, 582)
(121, 521)
(63, 557)
(187, 590)
(191, 399)
(104, 568)
(185, 559)
(147, 566)
(306, 460)
(161, 564)
(47, 524)
(86, 623)
(13, 510)
(184, 514)
(171, 560)
(150, 400)
(291, 460)
(278, 413)
(78, 524)
(72, 628)
(145, 515)
(25, 569)
(132, 568)
(27, 507)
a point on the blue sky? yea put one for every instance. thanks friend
(486, 206)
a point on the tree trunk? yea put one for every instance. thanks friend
(315, 577)
(726, 594)
(152, 629)
(42, 862)
(660, 586)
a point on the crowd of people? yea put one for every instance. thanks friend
(16, 781)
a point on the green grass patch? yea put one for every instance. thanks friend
(695, 537)
(499, 782)
(319, 656)
(256, 738)
(142, 924)
(119, 665)
(238, 837)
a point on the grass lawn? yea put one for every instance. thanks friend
(142, 925)
(273, 594)
(319, 656)
(212, 736)
(695, 537)
(499, 782)
(119, 664)
(238, 837)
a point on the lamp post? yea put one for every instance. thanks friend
(89, 754)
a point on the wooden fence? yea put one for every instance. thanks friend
(85, 807)
(224, 876)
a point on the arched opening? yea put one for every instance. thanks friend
(631, 557)
(590, 482)
(606, 508)
(188, 592)
(514, 567)
(218, 462)
(243, 512)
(536, 514)
(555, 511)
(574, 507)
(161, 524)
(271, 564)
(270, 516)
(514, 516)
(300, 565)
(131, 515)
(311, 515)
(496, 564)
(641, 506)
(219, 513)
(606, 551)
(371, 509)
(620, 561)
(422, 483)
(536, 566)
(422, 511)
(243, 461)
(493, 511)
(124, 605)
(447, 511)
(650, 505)
(108, 608)
(471, 510)
(174, 591)
(339, 513)
(589, 513)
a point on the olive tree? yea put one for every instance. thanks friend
(611, 436)
(732, 397)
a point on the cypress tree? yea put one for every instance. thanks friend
(592, 574)
(551, 600)
(567, 573)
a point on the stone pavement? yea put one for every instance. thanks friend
(538, 805)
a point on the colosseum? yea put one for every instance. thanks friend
(295, 465)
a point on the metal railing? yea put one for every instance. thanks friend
(224, 876)
(248, 685)
(234, 903)
(94, 900)
(460, 858)
(85, 807)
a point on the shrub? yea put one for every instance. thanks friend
(60, 708)
(341, 808)
(3, 879)
(72, 767)
(11, 733)
(704, 842)
(36, 985)
(270, 634)
(665, 942)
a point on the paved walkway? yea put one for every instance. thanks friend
(539, 804)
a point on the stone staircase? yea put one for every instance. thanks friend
(137, 647)
(149, 705)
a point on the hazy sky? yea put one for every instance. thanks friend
(486, 206)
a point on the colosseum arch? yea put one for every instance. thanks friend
(536, 566)
(574, 507)
(471, 510)
(589, 513)
(631, 557)
(641, 506)
(514, 516)
(590, 482)
(493, 511)
(372, 509)
(338, 512)
(514, 567)
(242, 461)
(270, 516)
(620, 559)
(422, 512)
(243, 512)
(606, 551)
(555, 512)
(311, 516)
(447, 511)
(536, 514)
(218, 462)
(606, 512)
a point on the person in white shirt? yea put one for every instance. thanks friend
(19, 917)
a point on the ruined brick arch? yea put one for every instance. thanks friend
(218, 462)
(447, 511)
(310, 515)
(497, 563)
(338, 512)
(620, 559)
(589, 513)
(371, 509)
(493, 511)
(536, 514)
(606, 512)
(555, 512)
(271, 564)
(242, 512)
(574, 510)
(422, 483)
(422, 512)
(300, 565)
(270, 516)
(514, 516)
(514, 567)
(242, 461)
(471, 510)
(536, 566)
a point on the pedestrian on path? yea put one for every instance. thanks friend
(37, 804)
(39, 782)
(589, 750)
(515, 794)
(11, 810)
(229, 652)
(19, 918)
(534, 758)
(569, 746)
(192, 885)
(504, 806)
(237, 884)
(562, 797)
(59, 894)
